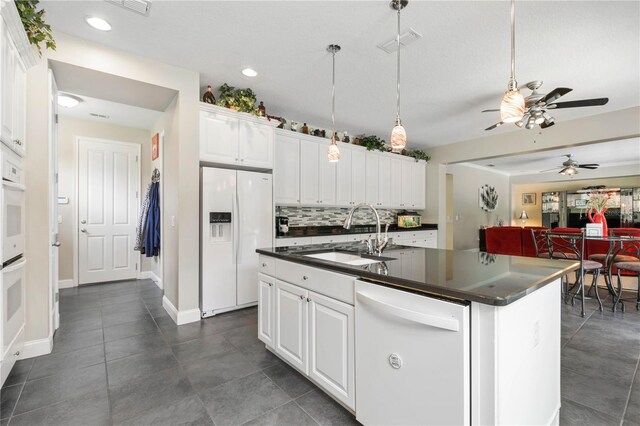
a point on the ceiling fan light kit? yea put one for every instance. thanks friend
(333, 153)
(398, 134)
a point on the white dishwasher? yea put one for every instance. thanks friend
(412, 358)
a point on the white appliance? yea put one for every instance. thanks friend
(412, 358)
(13, 210)
(236, 218)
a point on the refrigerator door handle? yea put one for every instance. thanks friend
(239, 233)
(234, 219)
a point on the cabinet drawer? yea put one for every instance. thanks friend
(330, 239)
(12, 169)
(267, 265)
(337, 286)
(286, 242)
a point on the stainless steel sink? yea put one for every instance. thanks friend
(346, 258)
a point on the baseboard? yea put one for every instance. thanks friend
(35, 348)
(66, 283)
(149, 275)
(180, 317)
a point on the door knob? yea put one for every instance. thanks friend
(83, 221)
(83, 230)
(56, 244)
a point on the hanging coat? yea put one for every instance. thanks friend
(142, 221)
(152, 231)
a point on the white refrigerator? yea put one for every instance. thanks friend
(236, 218)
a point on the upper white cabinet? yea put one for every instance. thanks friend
(227, 137)
(286, 171)
(304, 176)
(13, 80)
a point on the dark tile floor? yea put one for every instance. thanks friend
(119, 359)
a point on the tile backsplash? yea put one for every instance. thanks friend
(332, 216)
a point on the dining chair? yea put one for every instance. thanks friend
(570, 246)
(539, 237)
(629, 250)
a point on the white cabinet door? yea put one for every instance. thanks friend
(291, 324)
(419, 185)
(358, 177)
(406, 186)
(309, 173)
(8, 57)
(384, 181)
(331, 347)
(343, 178)
(218, 138)
(255, 145)
(371, 184)
(326, 178)
(286, 171)
(396, 183)
(19, 107)
(266, 309)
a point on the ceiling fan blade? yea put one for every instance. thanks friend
(494, 126)
(546, 124)
(589, 166)
(556, 93)
(580, 103)
(490, 110)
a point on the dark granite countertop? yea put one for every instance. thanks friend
(464, 275)
(320, 231)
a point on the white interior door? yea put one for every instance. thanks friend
(53, 203)
(108, 180)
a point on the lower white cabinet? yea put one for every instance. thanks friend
(291, 324)
(313, 332)
(13, 317)
(267, 308)
(331, 347)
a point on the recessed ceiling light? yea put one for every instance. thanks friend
(249, 72)
(68, 101)
(98, 23)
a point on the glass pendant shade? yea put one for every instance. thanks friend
(333, 153)
(512, 106)
(398, 138)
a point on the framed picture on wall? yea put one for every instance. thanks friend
(155, 147)
(529, 198)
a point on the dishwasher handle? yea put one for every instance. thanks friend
(409, 315)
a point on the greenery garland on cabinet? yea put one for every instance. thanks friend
(38, 31)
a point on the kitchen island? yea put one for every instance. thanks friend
(418, 336)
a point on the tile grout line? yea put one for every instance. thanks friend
(626, 405)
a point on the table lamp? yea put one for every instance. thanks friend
(523, 217)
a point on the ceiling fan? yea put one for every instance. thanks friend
(570, 167)
(538, 104)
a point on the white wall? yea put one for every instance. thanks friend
(185, 293)
(69, 129)
(468, 217)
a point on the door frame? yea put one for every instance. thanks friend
(52, 143)
(76, 210)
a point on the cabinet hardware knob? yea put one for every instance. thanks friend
(270, 284)
(264, 265)
(83, 230)
(83, 221)
(308, 299)
(236, 159)
(301, 297)
(17, 353)
(304, 277)
(56, 244)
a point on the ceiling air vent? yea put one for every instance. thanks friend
(406, 39)
(93, 114)
(141, 7)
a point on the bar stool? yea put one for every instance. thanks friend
(631, 250)
(570, 246)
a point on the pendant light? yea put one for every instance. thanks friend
(512, 106)
(398, 134)
(333, 153)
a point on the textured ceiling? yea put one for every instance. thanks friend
(459, 68)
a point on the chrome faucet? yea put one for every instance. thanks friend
(381, 242)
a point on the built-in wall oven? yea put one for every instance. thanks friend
(13, 208)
